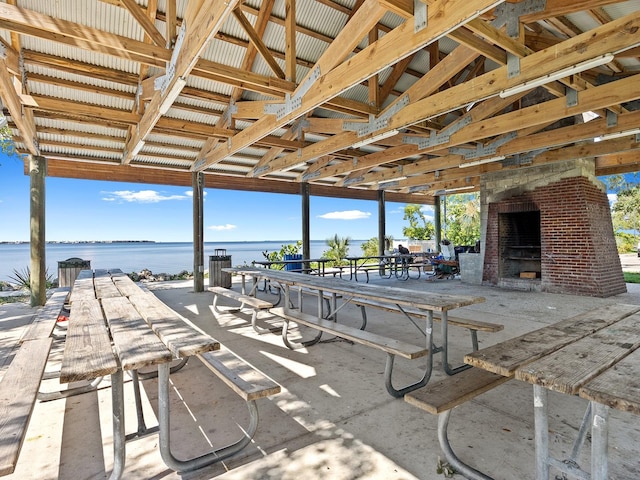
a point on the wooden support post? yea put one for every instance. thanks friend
(197, 180)
(437, 220)
(306, 240)
(38, 264)
(381, 221)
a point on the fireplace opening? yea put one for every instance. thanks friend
(519, 245)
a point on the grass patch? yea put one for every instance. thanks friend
(631, 277)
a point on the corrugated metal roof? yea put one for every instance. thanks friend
(73, 65)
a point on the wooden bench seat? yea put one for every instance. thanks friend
(18, 392)
(248, 382)
(20, 383)
(390, 346)
(255, 303)
(441, 397)
(46, 319)
(445, 394)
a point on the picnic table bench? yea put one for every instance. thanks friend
(255, 303)
(20, 383)
(141, 331)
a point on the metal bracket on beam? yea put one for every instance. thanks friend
(228, 113)
(522, 159)
(513, 65)
(612, 119)
(437, 138)
(350, 181)
(310, 176)
(299, 126)
(260, 170)
(510, 13)
(420, 11)
(376, 123)
(418, 188)
(483, 150)
(572, 97)
(293, 103)
(161, 83)
(389, 184)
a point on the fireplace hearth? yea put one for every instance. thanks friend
(553, 234)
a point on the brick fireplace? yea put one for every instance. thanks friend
(548, 228)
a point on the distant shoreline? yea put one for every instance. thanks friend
(80, 242)
(92, 242)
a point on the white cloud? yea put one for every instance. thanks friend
(613, 198)
(141, 196)
(221, 228)
(345, 215)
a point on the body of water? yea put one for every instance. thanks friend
(169, 258)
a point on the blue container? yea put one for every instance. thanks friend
(293, 266)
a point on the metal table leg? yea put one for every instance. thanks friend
(599, 441)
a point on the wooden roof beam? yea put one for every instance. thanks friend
(386, 51)
(141, 16)
(206, 22)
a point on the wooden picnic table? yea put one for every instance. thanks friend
(594, 355)
(403, 299)
(115, 326)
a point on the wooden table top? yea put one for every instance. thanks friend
(594, 354)
(436, 302)
(110, 312)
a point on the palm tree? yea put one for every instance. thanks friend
(338, 249)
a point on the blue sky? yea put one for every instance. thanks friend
(96, 210)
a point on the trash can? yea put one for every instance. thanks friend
(218, 261)
(293, 266)
(69, 269)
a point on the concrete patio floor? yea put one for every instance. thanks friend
(333, 419)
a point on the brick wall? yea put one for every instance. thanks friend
(579, 254)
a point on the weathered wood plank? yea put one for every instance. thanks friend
(244, 299)
(18, 392)
(104, 286)
(87, 350)
(506, 357)
(241, 377)
(362, 337)
(180, 336)
(47, 317)
(454, 390)
(570, 367)
(82, 287)
(135, 343)
(618, 387)
(124, 284)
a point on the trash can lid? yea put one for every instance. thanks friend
(74, 262)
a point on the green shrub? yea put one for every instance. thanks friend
(23, 278)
